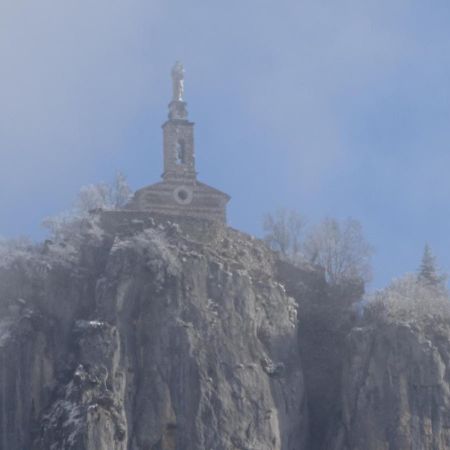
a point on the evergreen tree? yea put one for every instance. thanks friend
(428, 273)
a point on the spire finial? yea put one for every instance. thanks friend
(178, 82)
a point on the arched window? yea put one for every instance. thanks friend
(180, 152)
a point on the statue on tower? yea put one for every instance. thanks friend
(178, 82)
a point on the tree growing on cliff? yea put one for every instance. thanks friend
(108, 196)
(104, 195)
(284, 232)
(120, 192)
(341, 249)
(428, 273)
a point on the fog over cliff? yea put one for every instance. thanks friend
(336, 109)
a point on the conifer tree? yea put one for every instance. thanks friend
(428, 273)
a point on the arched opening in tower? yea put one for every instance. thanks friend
(180, 152)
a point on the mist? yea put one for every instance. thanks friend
(329, 109)
(275, 277)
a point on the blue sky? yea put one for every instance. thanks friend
(330, 108)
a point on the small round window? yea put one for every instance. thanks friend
(183, 195)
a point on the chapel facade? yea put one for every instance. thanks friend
(180, 193)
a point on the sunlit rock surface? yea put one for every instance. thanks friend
(149, 341)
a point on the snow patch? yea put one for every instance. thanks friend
(90, 324)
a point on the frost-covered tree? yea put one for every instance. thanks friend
(407, 299)
(103, 195)
(119, 191)
(428, 273)
(283, 232)
(11, 249)
(94, 196)
(341, 249)
(63, 226)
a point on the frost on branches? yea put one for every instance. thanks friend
(339, 247)
(91, 197)
(407, 299)
(15, 249)
(105, 196)
(68, 230)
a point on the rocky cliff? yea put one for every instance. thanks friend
(151, 340)
(152, 336)
(396, 386)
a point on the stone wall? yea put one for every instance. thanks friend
(181, 198)
(128, 222)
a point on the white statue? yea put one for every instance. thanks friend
(178, 82)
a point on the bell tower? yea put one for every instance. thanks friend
(178, 134)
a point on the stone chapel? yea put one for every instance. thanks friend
(180, 193)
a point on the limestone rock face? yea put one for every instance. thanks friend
(26, 377)
(396, 387)
(150, 341)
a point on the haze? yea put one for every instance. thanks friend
(329, 108)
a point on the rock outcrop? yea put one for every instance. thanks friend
(149, 341)
(396, 387)
(145, 335)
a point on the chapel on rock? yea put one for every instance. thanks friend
(179, 193)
